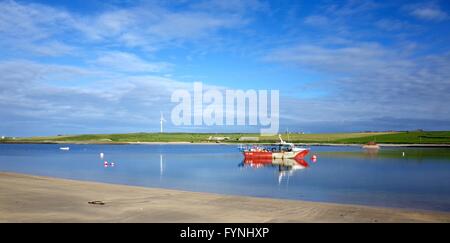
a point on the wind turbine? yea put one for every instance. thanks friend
(161, 120)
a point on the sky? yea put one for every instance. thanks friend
(76, 67)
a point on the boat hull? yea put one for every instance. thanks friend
(376, 146)
(275, 155)
(259, 162)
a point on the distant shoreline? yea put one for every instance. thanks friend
(224, 143)
(384, 139)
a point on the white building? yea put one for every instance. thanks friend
(211, 138)
(3, 137)
(249, 139)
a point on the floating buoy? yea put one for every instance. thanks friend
(112, 164)
(101, 155)
(105, 163)
(314, 157)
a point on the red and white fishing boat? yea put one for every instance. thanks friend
(281, 150)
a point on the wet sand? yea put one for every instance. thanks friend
(26, 198)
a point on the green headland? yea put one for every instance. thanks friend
(403, 137)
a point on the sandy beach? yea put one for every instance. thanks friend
(26, 198)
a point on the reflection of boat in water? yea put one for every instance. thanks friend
(281, 150)
(371, 149)
(371, 145)
(283, 164)
(286, 167)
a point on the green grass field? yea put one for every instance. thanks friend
(414, 137)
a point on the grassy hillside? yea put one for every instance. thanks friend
(435, 137)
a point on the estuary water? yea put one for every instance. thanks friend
(414, 178)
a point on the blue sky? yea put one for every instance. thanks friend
(70, 67)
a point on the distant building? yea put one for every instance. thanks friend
(3, 137)
(211, 138)
(249, 139)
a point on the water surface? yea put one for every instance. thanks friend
(417, 179)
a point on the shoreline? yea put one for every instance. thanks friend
(28, 198)
(225, 143)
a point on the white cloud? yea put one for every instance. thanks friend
(234, 6)
(30, 21)
(152, 26)
(149, 26)
(350, 8)
(175, 26)
(49, 48)
(371, 80)
(430, 12)
(37, 93)
(361, 57)
(392, 25)
(342, 16)
(128, 62)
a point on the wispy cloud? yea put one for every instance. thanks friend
(37, 94)
(393, 25)
(148, 26)
(128, 62)
(32, 91)
(427, 11)
(31, 21)
(153, 27)
(370, 80)
(369, 67)
(232, 6)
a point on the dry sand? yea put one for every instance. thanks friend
(25, 198)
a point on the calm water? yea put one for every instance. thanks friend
(420, 179)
